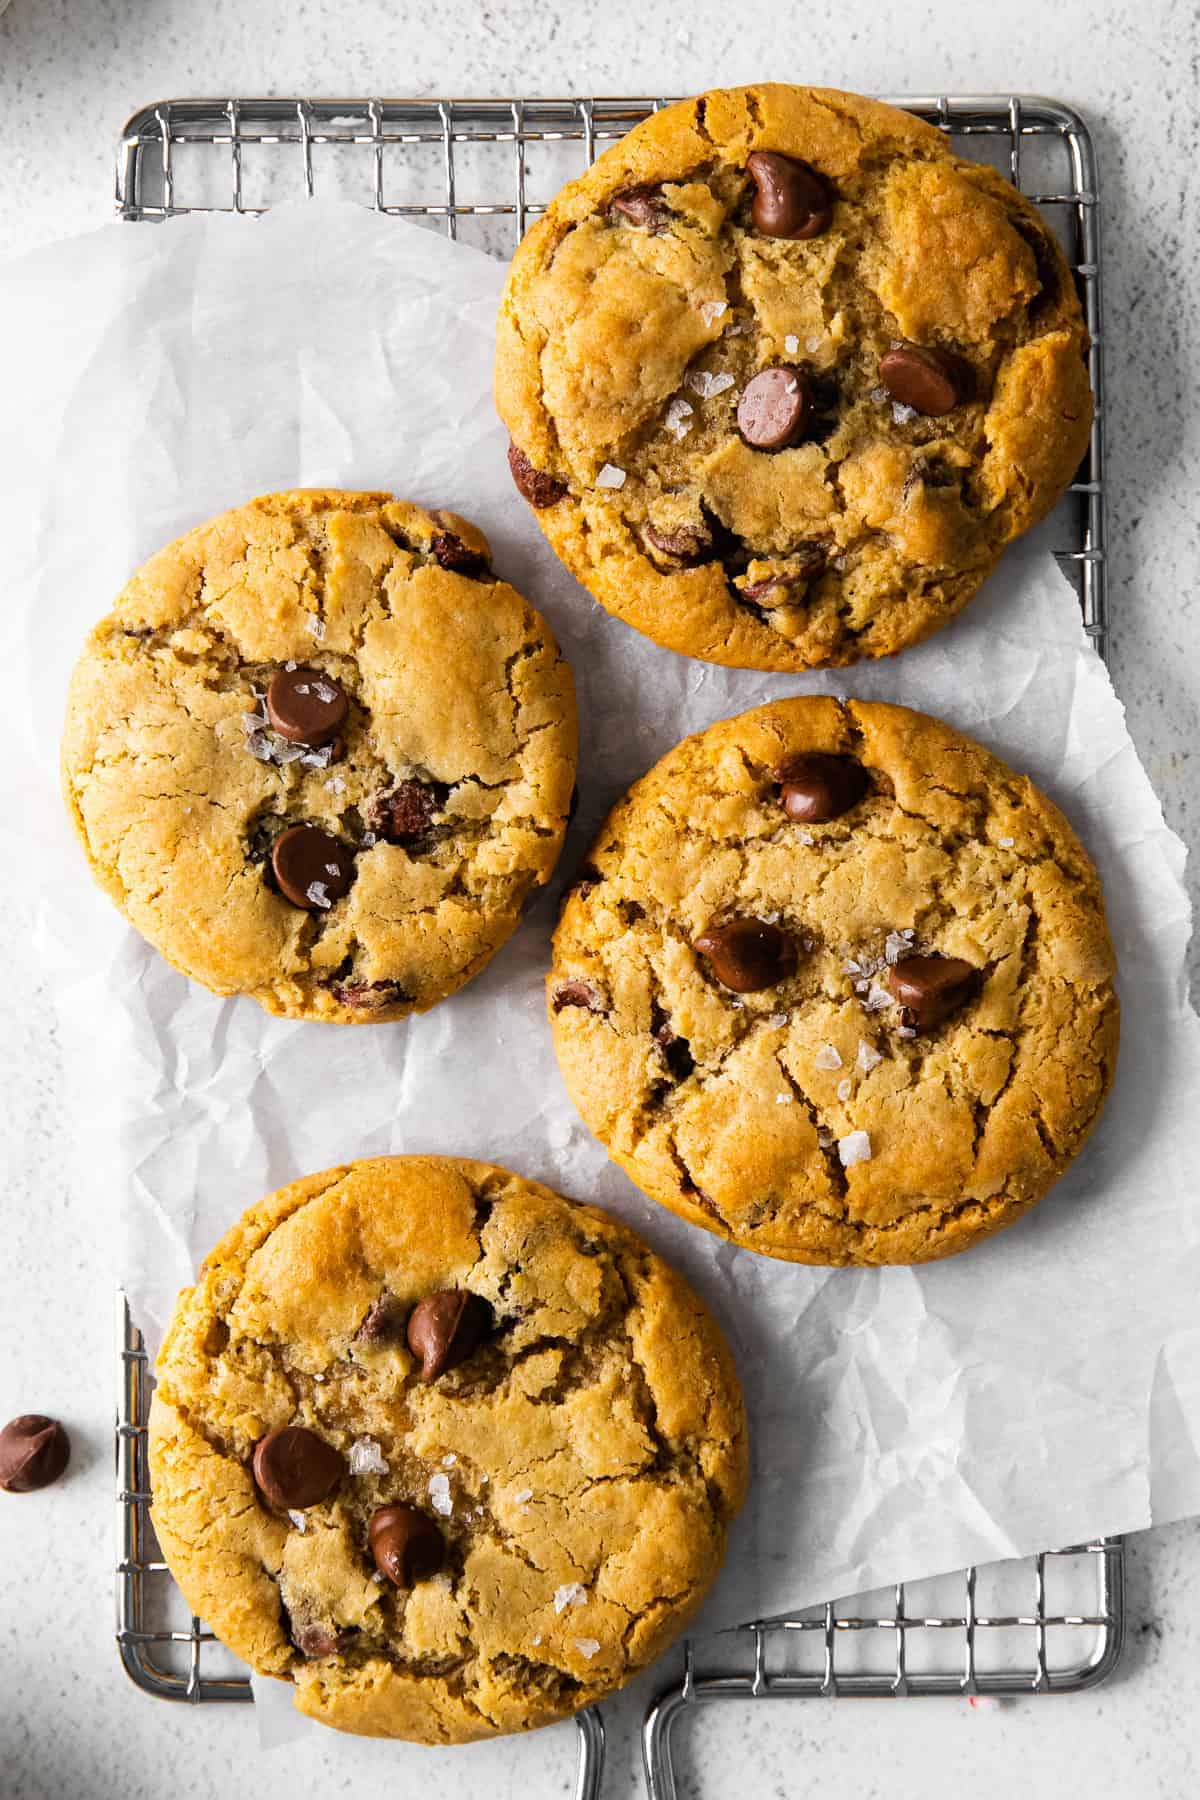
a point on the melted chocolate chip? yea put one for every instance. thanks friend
(817, 786)
(407, 1546)
(294, 1468)
(306, 706)
(930, 988)
(774, 408)
(405, 813)
(312, 869)
(687, 544)
(444, 1329)
(385, 1322)
(677, 1053)
(748, 954)
(450, 551)
(541, 490)
(931, 381)
(576, 993)
(369, 994)
(791, 200)
(318, 1641)
(644, 205)
(34, 1451)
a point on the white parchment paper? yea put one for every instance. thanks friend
(1040, 1389)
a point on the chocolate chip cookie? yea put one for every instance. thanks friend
(784, 375)
(836, 983)
(321, 754)
(449, 1453)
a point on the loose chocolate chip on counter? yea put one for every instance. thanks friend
(816, 786)
(930, 988)
(294, 1468)
(306, 706)
(930, 381)
(748, 954)
(34, 1451)
(774, 408)
(407, 1546)
(644, 205)
(312, 868)
(385, 1322)
(405, 813)
(687, 544)
(444, 1329)
(534, 485)
(791, 199)
(577, 993)
(450, 551)
(318, 1641)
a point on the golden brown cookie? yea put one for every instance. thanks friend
(784, 375)
(836, 983)
(450, 1453)
(321, 754)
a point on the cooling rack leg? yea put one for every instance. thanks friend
(656, 1742)
(591, 1754)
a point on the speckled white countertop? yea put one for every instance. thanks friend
(70, 72)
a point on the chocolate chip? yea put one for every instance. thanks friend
(806, 563)
(294, 1468)
(534, 485)
(817, 786)
(1045, 262)
(34, 1451)
(404, 814)
(369, 994)
(316, 1641)
(688, 544)
(774, 408)
(643, 205)
(588, 877)
(748, 954)
(930, 988)
(791, 199)
(930, 381)
(312, 868)
(385, 1322)
(406, 1545)
(450, 551)
(446, 1328)
(677, 1053)
(306, 706)
(576, 993)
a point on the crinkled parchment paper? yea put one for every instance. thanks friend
(1039, 1389)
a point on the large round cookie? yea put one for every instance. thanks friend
(836, 983)
(320, 754)
(927, 397)
(557, 1468)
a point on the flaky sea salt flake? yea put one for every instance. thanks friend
(1006, 843)
(299, 1521)
(855, 1147)
(336, 785)
(522, 1495)
(439, 1495)
(587, 1647)
(318, 893)
(571, 1593)
(316, 625)
(707, 385)
(791, 343)
(712, 310)
(896, 945)
(611, 477)
(868, 1056)
(845, 1088)
(783, 1099)
(366, 1458)
(877, 998)
(679, 416)
(449, 1460)
(804, 837)
(903, 415)
(828, 1057)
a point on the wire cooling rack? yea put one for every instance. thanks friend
(481, 170)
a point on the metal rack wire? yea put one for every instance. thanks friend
(481, 170)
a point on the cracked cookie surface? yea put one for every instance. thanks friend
(581, 1465)
(836, 983)
(344, 661)
(640, 308)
